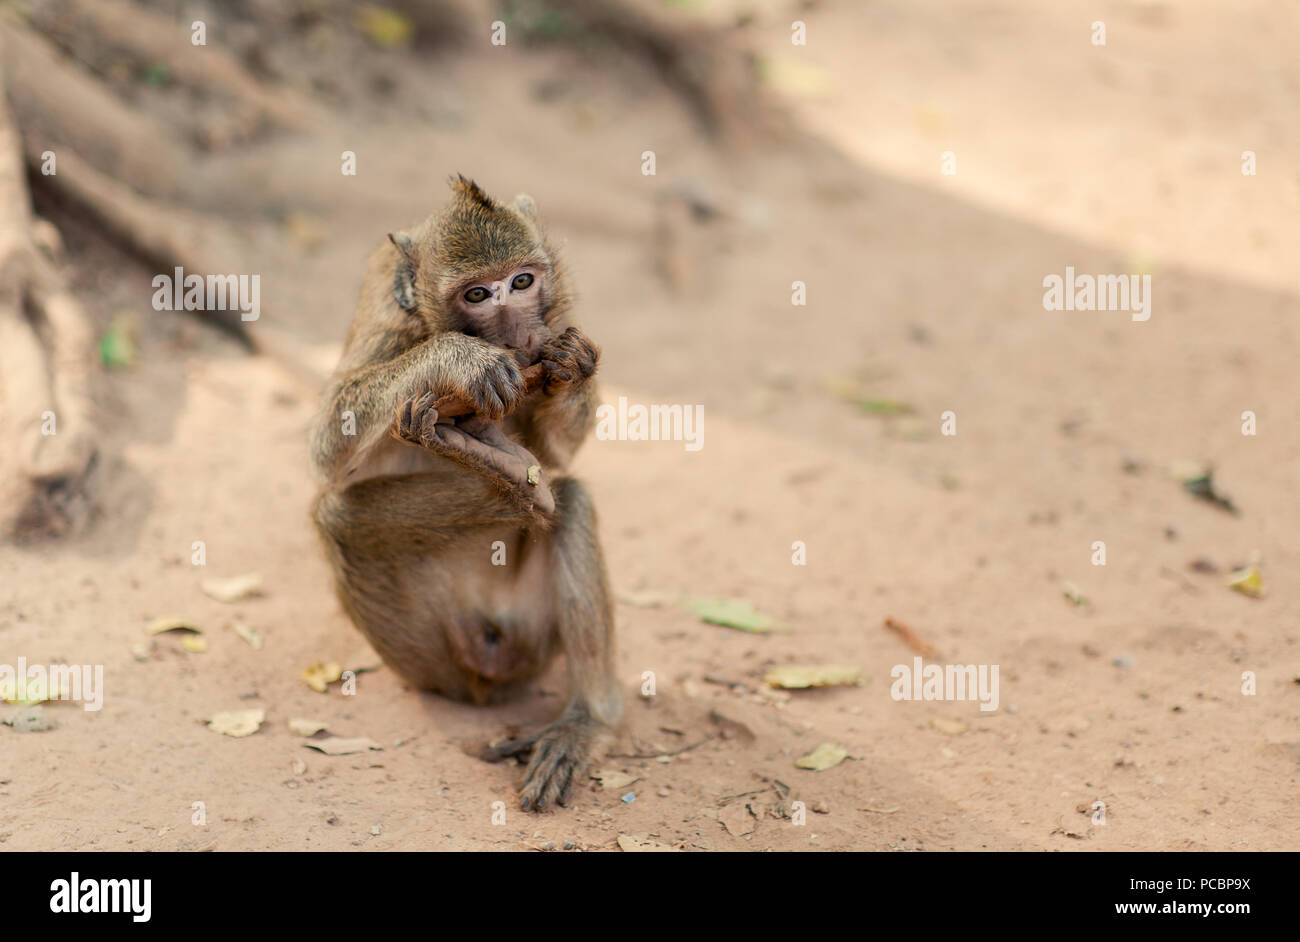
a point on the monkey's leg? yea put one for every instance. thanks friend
(479, 444)
(584, 617)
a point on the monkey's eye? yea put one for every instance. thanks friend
(476, 295)
(522, 281)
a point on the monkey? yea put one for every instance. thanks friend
(416, 507)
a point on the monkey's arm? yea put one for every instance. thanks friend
(362, 403)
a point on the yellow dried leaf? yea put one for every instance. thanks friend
(234, 589)
(195, 644)
(251, 635)
(320, 675)
(801, 676)
(826, 756)
(237, 723)
(1248, 582)
(338, 746)
(613, 780)
(171, 623)
(384, 27)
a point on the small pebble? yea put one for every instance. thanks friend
(1125, 661)
(548, 845)
(629, 798)
(569, 845)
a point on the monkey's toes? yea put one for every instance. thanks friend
(416, 418)
(508, 748)
(559, 759)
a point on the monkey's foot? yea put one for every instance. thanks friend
(568, 359)
(560, 755)
(480, 444)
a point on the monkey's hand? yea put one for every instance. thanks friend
(568, 359)
(485, 377)
(480, 445)
(560, 755)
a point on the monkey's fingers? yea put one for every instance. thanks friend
(568, 359)
(508, 748)
(453, 406)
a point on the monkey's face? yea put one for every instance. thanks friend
(506, 306)
(480, 267)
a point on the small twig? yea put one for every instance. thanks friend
(913, 640)
(743, 794)
(880, 810)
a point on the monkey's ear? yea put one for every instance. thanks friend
(525, 205)
(404, 276)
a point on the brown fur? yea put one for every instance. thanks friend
(412, 504)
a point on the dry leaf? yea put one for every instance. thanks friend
(306, 727)
(1247, 581)
(801, 676)
(384, 27)
(320, 675)
(34, 690)
(826, 756)
(1074, 594)
(338, 746)
(731, 613)
(613, 780)
(195, 644)
(251, 635)
(237, 723)
(234, 589)
(171, 623)
(951, 727)
(31, 719)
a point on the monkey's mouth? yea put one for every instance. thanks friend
(526, 350)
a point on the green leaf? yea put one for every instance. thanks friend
(731, 613)
(116, 348)
(826, 756)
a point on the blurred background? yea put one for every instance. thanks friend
(919, 167)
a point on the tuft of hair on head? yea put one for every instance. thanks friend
(464, 187)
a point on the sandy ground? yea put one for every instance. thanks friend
(922, 289)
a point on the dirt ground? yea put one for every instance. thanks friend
(923, 289)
